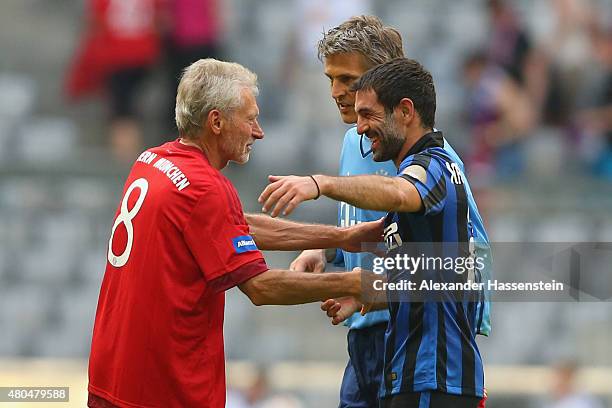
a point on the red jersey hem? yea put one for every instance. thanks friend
(238, 275)
(112, 402)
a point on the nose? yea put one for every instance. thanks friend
(257, 132)
(338, 89)
(362, 125)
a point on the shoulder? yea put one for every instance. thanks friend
(197, 169)
(351, 137)
(217, 202)
(432, 155)
(448, 148)
(422, 159)
(434, 161)
(191, 168)
(351, 132)
(349, 144)
(217, 187)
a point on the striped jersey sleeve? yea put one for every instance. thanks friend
(429, 182)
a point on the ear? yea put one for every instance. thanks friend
(406, 110)
(214, 121)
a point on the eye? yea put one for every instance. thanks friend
(347, 80)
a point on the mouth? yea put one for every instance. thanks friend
(374, 140)
(345, 107)
(375, 144)
(249, 147)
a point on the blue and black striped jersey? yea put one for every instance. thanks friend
(430, 345)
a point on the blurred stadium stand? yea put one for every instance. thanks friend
(59, 188)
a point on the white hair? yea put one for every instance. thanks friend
(210, 84)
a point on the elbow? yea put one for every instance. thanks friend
(400, 204)
(395, 201)
(402, 196)
(408, 198)
(407, 203)
(256, 299)
(252, 289)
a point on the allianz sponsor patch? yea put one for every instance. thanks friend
(244, 243)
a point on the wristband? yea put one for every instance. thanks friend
(316, 184)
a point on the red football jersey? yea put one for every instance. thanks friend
(179, 240)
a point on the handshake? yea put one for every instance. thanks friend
(338, 310)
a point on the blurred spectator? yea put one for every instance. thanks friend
(312, 17)
(500, 115)
(568, 44)
(552, 100)
(556, 69)
(564, 393)
(509, 46)
(119, 47)
(302, 73)
(259, 395)
(568, 41)
(193, 31)
(595, 120)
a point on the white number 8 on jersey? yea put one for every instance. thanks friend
(125, 217)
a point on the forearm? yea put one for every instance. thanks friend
(283, 235)
(371, 192)
(279, 287)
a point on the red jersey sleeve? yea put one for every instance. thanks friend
(218, 238)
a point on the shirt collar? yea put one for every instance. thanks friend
(431, 139)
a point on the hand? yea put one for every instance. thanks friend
(340, 309)
(370, 297)
(310, 260)
(287, 192)
(365, 232)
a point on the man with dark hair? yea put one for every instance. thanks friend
(431, 358)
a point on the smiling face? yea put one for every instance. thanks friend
(241, 129)
(379, 126)
(342, 70)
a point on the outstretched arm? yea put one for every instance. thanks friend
(279, 287)
(284, 235)
(369, 192)
(372, 192)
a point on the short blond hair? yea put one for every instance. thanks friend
(366, 35)
(210, 84)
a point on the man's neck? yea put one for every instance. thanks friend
(209, 151)
(411, 140)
